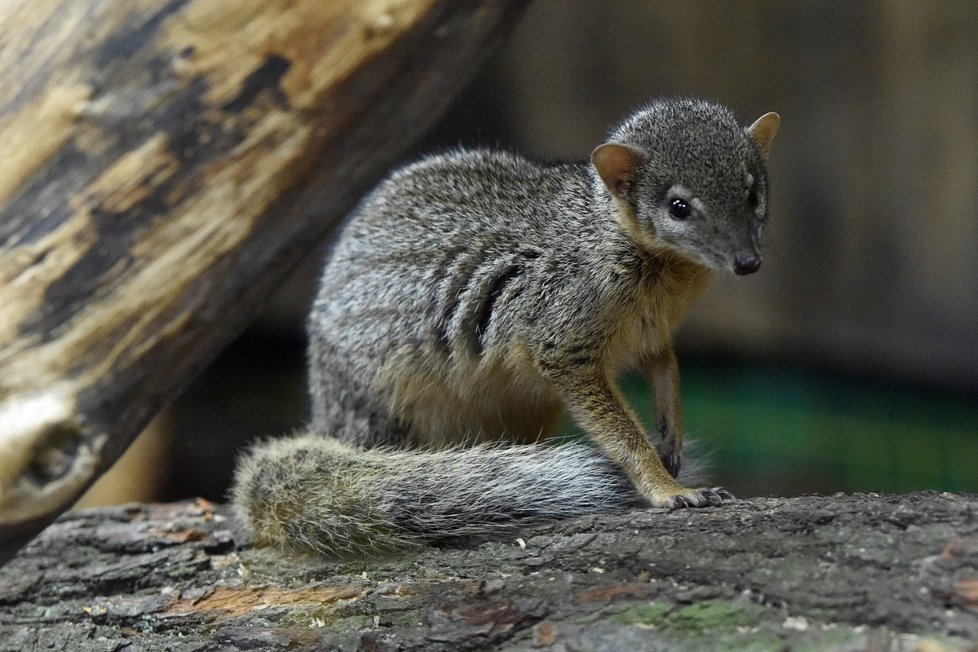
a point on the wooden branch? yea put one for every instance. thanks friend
(860, 572)
(162, 166)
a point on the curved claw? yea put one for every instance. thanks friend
(724, 494)
(714, 497)
(672, 463)
(670, 457)
(678, 502)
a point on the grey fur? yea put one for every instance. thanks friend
(700, 147)
(402, 497)
(469, 298)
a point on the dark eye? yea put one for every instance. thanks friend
(679, 209)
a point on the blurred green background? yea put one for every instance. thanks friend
(850, 361)
(775, 429)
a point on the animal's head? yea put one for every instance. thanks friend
(689, 178)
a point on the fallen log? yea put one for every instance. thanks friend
(860, 572)
(163, 164)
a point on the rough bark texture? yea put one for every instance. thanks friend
(164, 163)
(862, 572)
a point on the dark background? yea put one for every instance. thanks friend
(850, 362)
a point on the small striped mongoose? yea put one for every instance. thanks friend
(473, 297)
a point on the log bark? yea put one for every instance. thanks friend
(861, 572)
(165, 163)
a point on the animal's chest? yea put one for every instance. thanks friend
(649, 317)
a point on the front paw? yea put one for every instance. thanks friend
(714, 497)
(670, 457)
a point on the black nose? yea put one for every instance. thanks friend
(746, 263)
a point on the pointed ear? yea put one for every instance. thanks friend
(616, 165)
(763, 130)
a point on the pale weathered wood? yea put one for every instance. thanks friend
(162, 166)
(862, 572)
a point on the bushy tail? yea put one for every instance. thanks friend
(316, 493)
